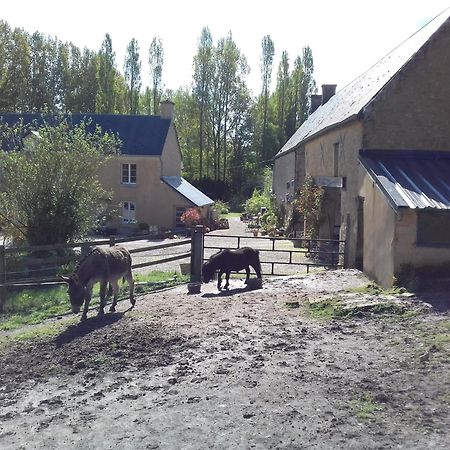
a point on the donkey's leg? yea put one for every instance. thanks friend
(87, 301)
(115, 287)
(103, 289)
(130, 280)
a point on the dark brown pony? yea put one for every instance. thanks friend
(227, 261)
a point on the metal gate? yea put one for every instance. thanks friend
(280, 255)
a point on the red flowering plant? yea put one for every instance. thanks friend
(191, 217)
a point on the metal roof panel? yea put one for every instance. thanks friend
(416, 179)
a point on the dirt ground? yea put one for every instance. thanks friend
(238, 369)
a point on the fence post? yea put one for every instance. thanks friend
(2, 277)
(112, 241)
(196, 253)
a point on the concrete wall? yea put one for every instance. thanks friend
(413, 111)
(283, 173)
(171, 155)
(379, 234)
(319, 161)
(406, 250)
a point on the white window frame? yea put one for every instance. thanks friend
(129, 212)
(127, 178)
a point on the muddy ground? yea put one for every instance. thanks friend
(238, 369)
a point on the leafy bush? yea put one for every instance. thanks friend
(221, 207)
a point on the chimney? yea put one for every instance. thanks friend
(316, 101)
(328, 90)
(166, 109)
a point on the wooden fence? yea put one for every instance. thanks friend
(10, 279)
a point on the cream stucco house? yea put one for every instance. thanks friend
(145, 178)
(401, 104)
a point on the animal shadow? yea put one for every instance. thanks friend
(228, 292)
(88, 326)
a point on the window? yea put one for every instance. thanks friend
(129, 173)
(433, 228)
(129, 212)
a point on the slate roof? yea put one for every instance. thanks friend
(140, 135)
(411, 178)
(188, 191)
(350, 102)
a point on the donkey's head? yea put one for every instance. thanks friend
(76, 291)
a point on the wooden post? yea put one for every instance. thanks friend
(2, 277)
(196, 253)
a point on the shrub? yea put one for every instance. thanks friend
(221, 207)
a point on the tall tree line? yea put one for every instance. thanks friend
(227, 134)
(230, 135)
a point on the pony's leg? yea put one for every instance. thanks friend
(103, 288)
(87, 300)
(257, 267)
(219, 280)
(247, 271)
(227, 277)
(115, 287)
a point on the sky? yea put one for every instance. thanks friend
(346, 37)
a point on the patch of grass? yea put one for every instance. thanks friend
(326, 309)
(375, 289)
(292, 305)
(435, 336)
(366, 407)
(230, 215)
(338, 308)
(39, 332)
(33, 306)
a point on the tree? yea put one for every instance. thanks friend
(106, 74)
(307, 85)
(268, 50)
(52, 193)
(132, 69)
(283, 96)
(156, 61)
(203, 71)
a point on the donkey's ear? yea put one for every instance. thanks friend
(63, 278)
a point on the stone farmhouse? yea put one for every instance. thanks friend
(145, 178)
(378, 147)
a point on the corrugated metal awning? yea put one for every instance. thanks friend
(416, 179)
(187, 190)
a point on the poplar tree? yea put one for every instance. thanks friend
(156, 61)
(203, 71)
(132, 69)
(268, 51)
(106, 75)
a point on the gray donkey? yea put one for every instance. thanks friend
(104, 265)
